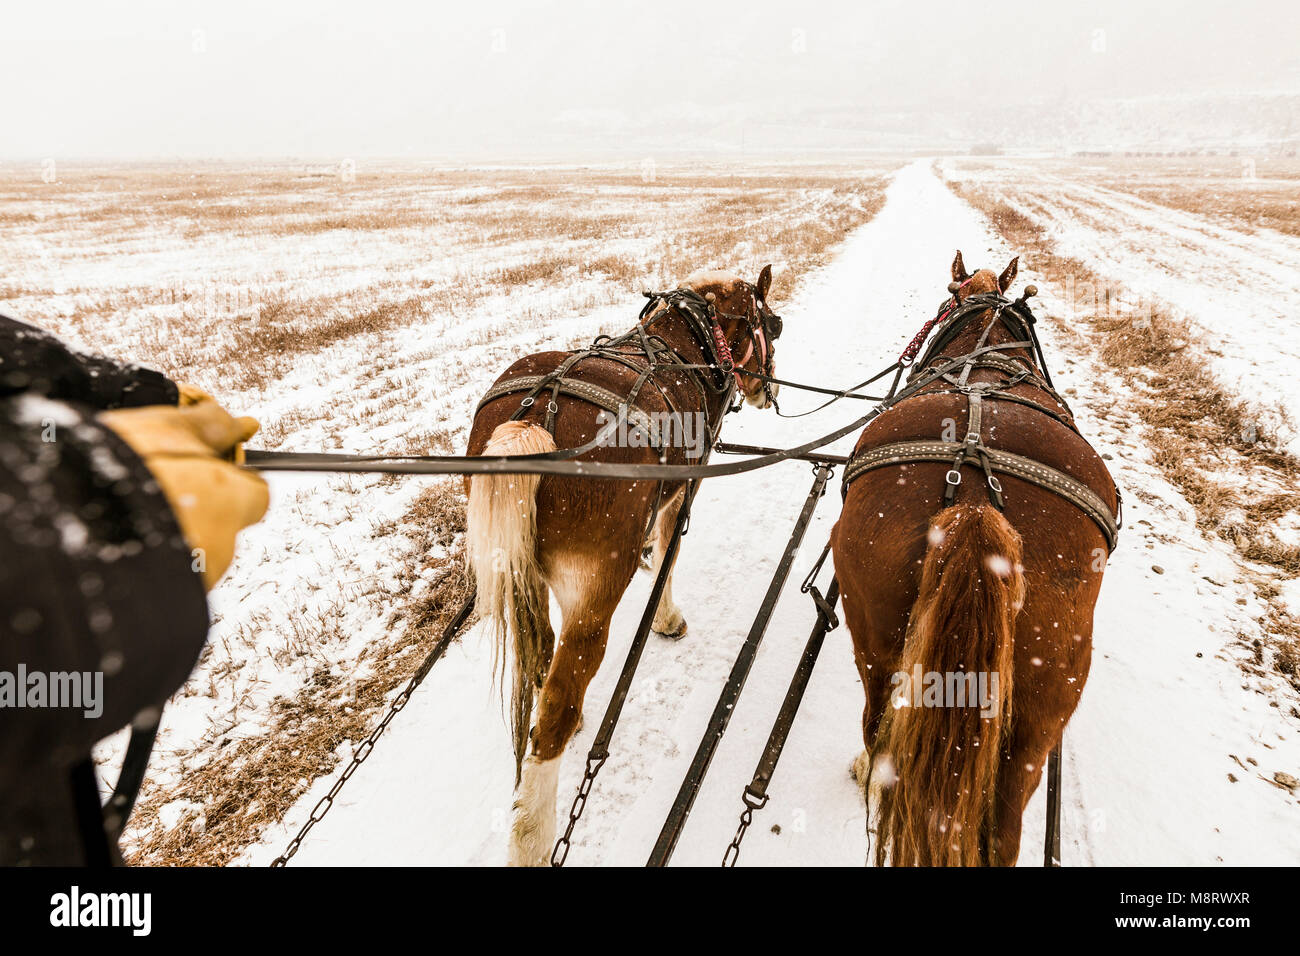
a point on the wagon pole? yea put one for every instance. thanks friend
(816, 457)
(599, 751)
(726, 705)
(755, 796)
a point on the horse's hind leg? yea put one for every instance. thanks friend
(588, 591)
(668, 619)
(1035, 731)
(1023, 760)
(872, 648)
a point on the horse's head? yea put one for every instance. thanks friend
(748, 326)
(983, 280)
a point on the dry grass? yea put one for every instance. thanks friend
(1244, 204)
(1245, 191)
(274, 258)
(1193, 426)
(255, 781)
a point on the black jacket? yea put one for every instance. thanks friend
(95, 579)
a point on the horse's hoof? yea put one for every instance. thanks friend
(676, 635)
(860, 769)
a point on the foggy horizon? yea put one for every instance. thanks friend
(397, 80)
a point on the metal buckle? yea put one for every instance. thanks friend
(527, 402)
(953, 477)
(552, 407)
(995, 484)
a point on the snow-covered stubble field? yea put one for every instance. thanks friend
(367, 310)
(362, 310)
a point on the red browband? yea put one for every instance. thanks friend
(724, 352)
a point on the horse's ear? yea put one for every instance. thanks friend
(1008, 274)
(959, 273)
(764, 282)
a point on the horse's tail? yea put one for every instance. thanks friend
(940, 763)
(502, 548)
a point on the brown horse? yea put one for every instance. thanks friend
(970, 603)
(582, 539)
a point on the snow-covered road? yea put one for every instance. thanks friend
(1147, 755)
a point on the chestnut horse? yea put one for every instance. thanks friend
(582, 539)
(981, 589)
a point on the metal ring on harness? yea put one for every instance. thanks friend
(953, 477)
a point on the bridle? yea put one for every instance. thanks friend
(704, 320)
(956, 314)
(937, 372)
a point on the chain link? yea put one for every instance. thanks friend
(733, 851)
(752, 802)
(367, 746)
(561, 851)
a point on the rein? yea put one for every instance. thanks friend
(559, 462)
(945, 310)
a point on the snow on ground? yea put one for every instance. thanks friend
(1166, 717)
(1241, 288)
(176, 267)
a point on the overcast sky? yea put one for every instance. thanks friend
(378, 78)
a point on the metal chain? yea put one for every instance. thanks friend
(367, 746)
(561, 851)
(599, 752)
(746, 818)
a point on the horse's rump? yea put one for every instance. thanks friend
(942, 760)
(975, 530)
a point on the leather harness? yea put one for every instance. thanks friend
(646, 353)
(972, 451)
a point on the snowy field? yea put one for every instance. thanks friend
(1216, 240)
(362, 310)
(369, 315)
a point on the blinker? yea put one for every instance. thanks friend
(773, 324)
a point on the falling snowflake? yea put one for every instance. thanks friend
(998, 565)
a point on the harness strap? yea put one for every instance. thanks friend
(952, 319)
(95, 841)
(1005, 462)
(971, 449)
(999, 395)
(1009, 364)
(601, 397)
(131, 777)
